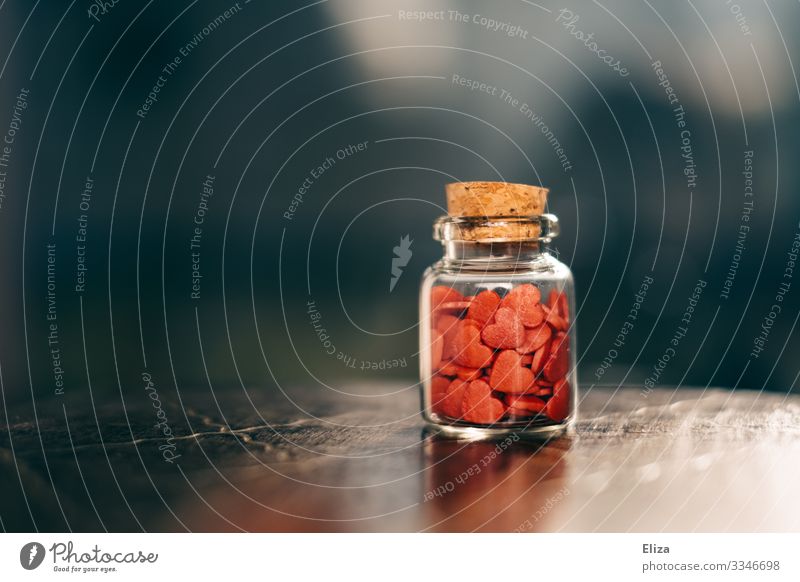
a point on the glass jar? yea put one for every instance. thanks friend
(496, 335)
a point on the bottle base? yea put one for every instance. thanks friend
(471, 432)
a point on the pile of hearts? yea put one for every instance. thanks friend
(497, 359)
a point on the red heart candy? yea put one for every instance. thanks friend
(484, 306)
(469, 350)
(445, 322)
(521, 296)
(526, 402)
(552, 299)
(542, 391)
(534, 339)
(479, 406)
(448, 326)
(552, 317)
(531, 315)
(563, 306)
(451, 403)
(557, 407)
(557, 365)
(443, 294)
(525, 301)
(539, 358)
(507, 331)
(468, 374)
(449, 369)
(520, 412)
(509, 375)
(439, 386)
(437, 345)
(454, 306)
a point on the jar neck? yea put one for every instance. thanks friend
(495, 243)
(495, 256)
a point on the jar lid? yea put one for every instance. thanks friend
(496, 212)
(495, 199)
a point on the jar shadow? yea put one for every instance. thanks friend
(504, 484)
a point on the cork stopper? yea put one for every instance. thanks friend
(494, 199)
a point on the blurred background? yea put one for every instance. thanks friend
(185, 183)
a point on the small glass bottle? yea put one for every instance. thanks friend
(497, 337)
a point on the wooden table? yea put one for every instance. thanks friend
(317, 460)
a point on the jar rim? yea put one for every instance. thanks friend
(541, 228)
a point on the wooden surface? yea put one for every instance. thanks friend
(689, 460)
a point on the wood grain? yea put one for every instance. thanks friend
(687, 460)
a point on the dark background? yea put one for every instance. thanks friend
(275, 89)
